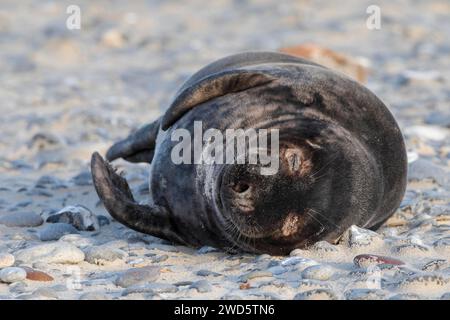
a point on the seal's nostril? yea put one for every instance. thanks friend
(240, 187)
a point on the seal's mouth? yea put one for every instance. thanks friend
(237, 230)
(285, 209)
(256, 206)
(288, 228)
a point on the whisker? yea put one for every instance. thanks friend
(334, 157)
(323, 216)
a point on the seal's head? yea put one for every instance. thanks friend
(320, 188)
(283, 209)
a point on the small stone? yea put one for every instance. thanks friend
(155, 288)
(21, 219)
(411, 156)
(78, 216)
(55, 231)
(21, 164)
(272, 284)
(206, 273)
(231, 297)
(317, 294)
(83, 179)
(244, 286)
(105, 253)
(102, 220)
(263, 257)
(18, 287)
(356, 237)
(425, 169)
(163, 247)
(36, 275)
(12, 274)
(255, 274)
(442, 245)
(292, 261)
(297, 253)
(140, 262)
(365, 294)
(159, 258)
(58, 252)
(24, 204)
(318, 272)
(300, 263)
(113, 38)
(137, 276)
(206, 249)
(163, 288)
(183, 283)
(412, 76)
(308, 285)
(428, 284)
(400, 270)
(405, 296)
(93, 296)
(202, 286)
(411, 249)
(322, 247)
(291, 276)
(273, 263)
(445, 296)
(276, 270)
(20, 63)
(39, 192)
(46, 292)
(431, 133)
(439, 119)
(434, 265)
(41, 265)
(366, 260)
(6, 260)
(77, 240)
(49, 182)
(59, 287)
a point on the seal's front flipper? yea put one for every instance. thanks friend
(117, 198)
(138, 146)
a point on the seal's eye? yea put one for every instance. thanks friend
(293, 157)
(240, 187)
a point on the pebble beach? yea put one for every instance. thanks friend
(67, 93)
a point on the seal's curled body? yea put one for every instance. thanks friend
(342, 159)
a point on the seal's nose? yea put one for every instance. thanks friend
(241, 187)
(243, 196)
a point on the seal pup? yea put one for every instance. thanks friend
(342, 159)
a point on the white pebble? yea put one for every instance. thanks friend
(318, 272)
(12, 274)
(6, 260)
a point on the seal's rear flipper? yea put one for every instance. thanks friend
(138, 146)
(117, 198)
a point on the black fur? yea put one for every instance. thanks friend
(342, 160)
